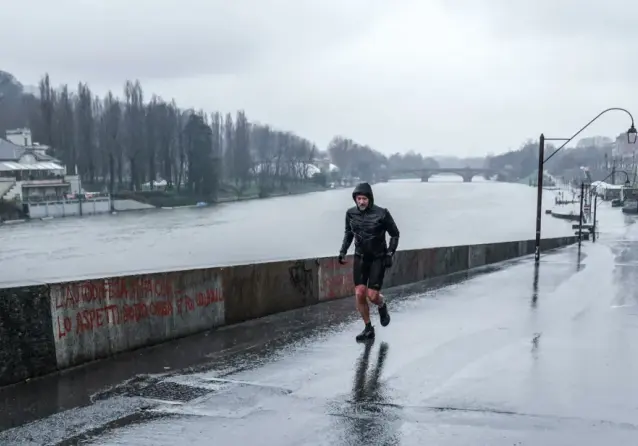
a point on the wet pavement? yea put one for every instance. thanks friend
(508, 355)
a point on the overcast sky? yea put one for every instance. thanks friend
(446, 77)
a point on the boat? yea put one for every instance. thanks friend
(631, 207)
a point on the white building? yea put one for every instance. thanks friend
(27, 173)
(39, 182)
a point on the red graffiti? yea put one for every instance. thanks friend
(88, 320)
(185, 304)
(336, 279)
(64, 326)
(209, 297)
(159, 301)
(126, 288)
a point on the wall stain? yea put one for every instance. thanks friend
(301, 277)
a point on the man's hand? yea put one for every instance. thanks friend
(388, 259)
(342, 258)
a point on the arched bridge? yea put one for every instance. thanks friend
(467, 173)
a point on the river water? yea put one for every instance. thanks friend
(444, 211)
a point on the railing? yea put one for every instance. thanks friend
(48, 182)
(85, 198)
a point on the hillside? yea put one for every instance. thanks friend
(15, 103)
(523, 163)
(10, 86)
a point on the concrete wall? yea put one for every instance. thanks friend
(67, 208)
(97, 318)
(52, 327)
(130, 205)
(26, 334)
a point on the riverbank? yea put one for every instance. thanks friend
(174, 199)
(127, 201)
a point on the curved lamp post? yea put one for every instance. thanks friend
(627, 181)
(632, 135)
(627, 184)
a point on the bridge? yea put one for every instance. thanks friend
(467, 173)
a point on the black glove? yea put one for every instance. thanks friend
(342, 258)
(388, 259)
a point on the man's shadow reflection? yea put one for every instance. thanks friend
(374, 420)
(366, 387)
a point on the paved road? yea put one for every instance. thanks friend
(502, 357)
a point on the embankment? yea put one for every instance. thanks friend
(55, 326)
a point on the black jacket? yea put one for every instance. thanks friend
(368, 227)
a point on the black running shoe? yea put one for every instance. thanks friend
(384, 315)
(367, 333)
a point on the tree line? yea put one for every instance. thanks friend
(523, 162)
(363, 162)
(130, 142)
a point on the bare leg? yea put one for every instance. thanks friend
(375, 297)
(362, 303)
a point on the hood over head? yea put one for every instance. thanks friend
(363, 189)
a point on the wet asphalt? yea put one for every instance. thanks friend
(506, 355)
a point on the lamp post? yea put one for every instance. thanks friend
(632, 134)
(580, 214)
(627, 184)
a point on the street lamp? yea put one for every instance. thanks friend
(631, 139)
(627, 182)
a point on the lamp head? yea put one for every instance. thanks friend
(632, 134)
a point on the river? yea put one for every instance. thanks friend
(444, 211)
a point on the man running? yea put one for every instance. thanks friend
(367, 224)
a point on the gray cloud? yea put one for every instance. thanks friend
(448, 77)
(117, 39)
(609, 20)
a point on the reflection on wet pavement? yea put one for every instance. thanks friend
(369, 417)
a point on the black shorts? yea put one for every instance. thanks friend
(368, 272)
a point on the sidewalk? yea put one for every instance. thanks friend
(467, 345)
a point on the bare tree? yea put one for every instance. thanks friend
(111, 131)
(152, 138)
(229, 148)
(134, 124)
(241, 150)
(166, 130)
(47, 106)
(65, 121)
(85, 132)
(217, 141)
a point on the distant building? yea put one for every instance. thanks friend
(623, 152)
(27, 173)
(594, 141)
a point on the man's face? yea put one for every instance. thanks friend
(362, 202)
